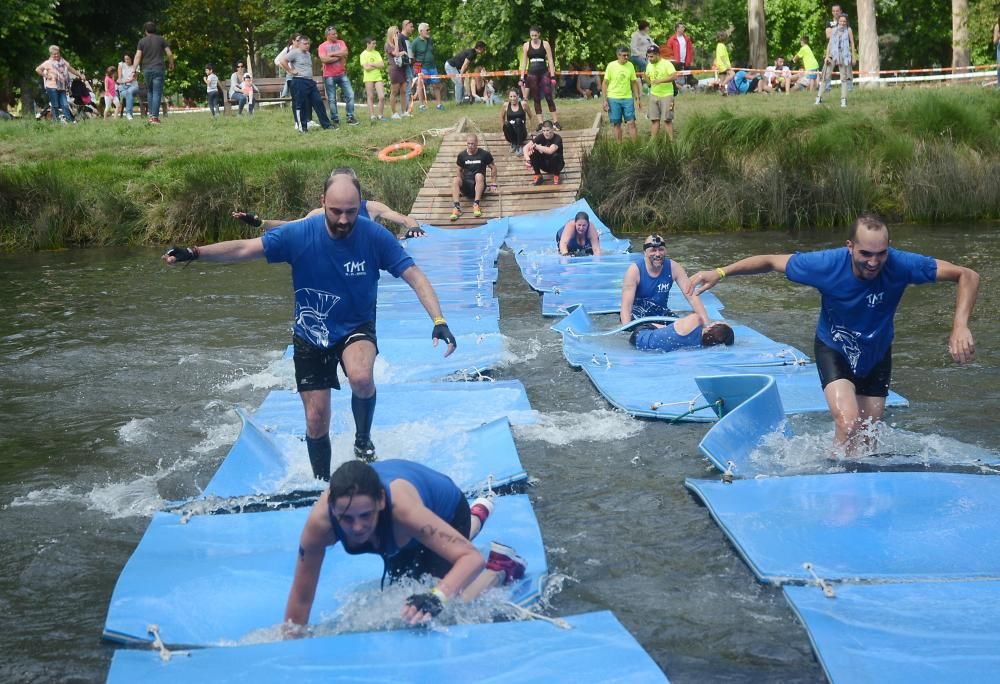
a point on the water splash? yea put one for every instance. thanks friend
(564, 427)
(137, 431)
(279, 373)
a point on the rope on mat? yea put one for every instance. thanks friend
(818, 581)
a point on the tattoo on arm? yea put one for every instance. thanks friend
(428, 531)
(302, 553)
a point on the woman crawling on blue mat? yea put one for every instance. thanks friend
(684, 332)
(578, 237)
(417, 520)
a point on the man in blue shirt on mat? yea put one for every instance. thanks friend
(861, 285)
(417, 520)
(335, 259)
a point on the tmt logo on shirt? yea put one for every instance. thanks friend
(874, 299)
(663, 287)
(354, 268)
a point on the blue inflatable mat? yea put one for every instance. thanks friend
(216, 578)
(941, 632)
(609, 300)
(750, 409)
(861, 526)
(662, 385)
(536, 232)
(475, 459)
(596, 649)
(457, 405)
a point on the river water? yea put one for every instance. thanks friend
(118, 379)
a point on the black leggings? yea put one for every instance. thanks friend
(516, 134)
(539, 86)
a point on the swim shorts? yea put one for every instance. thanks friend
(832, 365)
(469, 187)
(316, 368)
(619, 109)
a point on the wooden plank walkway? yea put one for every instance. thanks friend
(515, 193)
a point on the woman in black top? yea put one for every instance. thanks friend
(538, 72)
(514, 120)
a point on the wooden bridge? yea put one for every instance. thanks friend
(515, 193)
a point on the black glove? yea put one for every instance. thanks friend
(250, 219)
(183, 253)
(415, 232)
(443, 332)
(426, 603)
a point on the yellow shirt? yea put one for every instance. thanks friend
(661, 69)
(809, 62)
(619, 78)
(722, 62)
(371, 57)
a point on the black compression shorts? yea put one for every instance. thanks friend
(832, 365)
(469, 187)
(419, 560)
(316, 368)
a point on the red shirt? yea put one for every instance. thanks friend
(333, 68)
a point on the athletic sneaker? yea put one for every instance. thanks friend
(440, 106)
(364, 451)
(819, 100)
(537, 180)
(154, 119)
(482, 508)
(476, 211)
(334, 125)
(351, 121)
(422, 108)
(555, 179)
(407, 115)
(557, 126)
(843, 102)
(395, 115)
(374, 119)
(128, 116)
(518, 151)
(455, 213)
(504, 559)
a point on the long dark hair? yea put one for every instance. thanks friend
(355, 478)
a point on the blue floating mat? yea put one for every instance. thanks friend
(609, 300)
(458, 405)
(750, 409)
(474, 459)
(662, 385)
(217, 578)
(596, 649)
(536, 232)
(941, 632)
(861, 526)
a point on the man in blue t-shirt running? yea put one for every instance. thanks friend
(335, 259)
(861, 285)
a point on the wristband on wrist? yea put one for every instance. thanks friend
(439, 321)
(442, 597)
(722, 273)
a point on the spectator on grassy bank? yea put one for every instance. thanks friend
(149, 56)
(212, 89)
(128, 86)
(55, 73)
(639, 46)
(722, 65)
(236, 95)
(809, 64)
(423, 63)
(588, 85)
(840, 54)
(250, 92)
(621, 94)
(680, 50)
(457, 66)
(305, 94)
(372, 66)
(111, 101)
(333, 54)
(660, 75)
(396, 58)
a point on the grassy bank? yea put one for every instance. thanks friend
(915, 155)
(920, 155)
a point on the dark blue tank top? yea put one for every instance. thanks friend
(573, 246)
(652, 293)
(437, 491)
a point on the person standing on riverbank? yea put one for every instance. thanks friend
(660, 74)
(840, 54)
(621, 94)
(335, 259)
(149, 54)
(861, 286)
(55, 73)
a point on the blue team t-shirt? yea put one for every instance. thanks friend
(335, 281)
(856, 316)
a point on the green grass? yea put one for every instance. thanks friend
(738, 163)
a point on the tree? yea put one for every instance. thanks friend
(758, 34)
(868, 39)
(25, 30)
(959, 34)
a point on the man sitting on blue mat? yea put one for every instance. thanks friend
(335, 259)
(683, 333)
(861, 285)
(646, 289)
(417, 520)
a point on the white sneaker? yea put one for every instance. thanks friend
(486, 505)
(407, 115)
(395, 115)
(128, 116)
(819, 100)
(843, 102)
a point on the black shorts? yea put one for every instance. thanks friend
(419, 560)
(469, 187)
(316, 368)
(832, 365)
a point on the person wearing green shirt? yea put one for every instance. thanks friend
(809, 63)
(423, 63)
(723, 65)
(372, 65)
(660, 73)
(621, 94)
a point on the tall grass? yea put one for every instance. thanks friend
(778, 162)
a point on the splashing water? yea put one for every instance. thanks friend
(137, 431)
(279, 373)
(564, 427)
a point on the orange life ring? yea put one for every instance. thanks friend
(414, 150)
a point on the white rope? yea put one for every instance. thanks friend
(165, 653)
(531, 615)
(690, 403)
(818, 581)
(727, 476)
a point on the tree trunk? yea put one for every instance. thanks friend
(758, 34)
(869, 62)
(960, 34)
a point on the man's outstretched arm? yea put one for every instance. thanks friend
(961, 345)
(762, 263)
(231, 251)
(416, 279)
